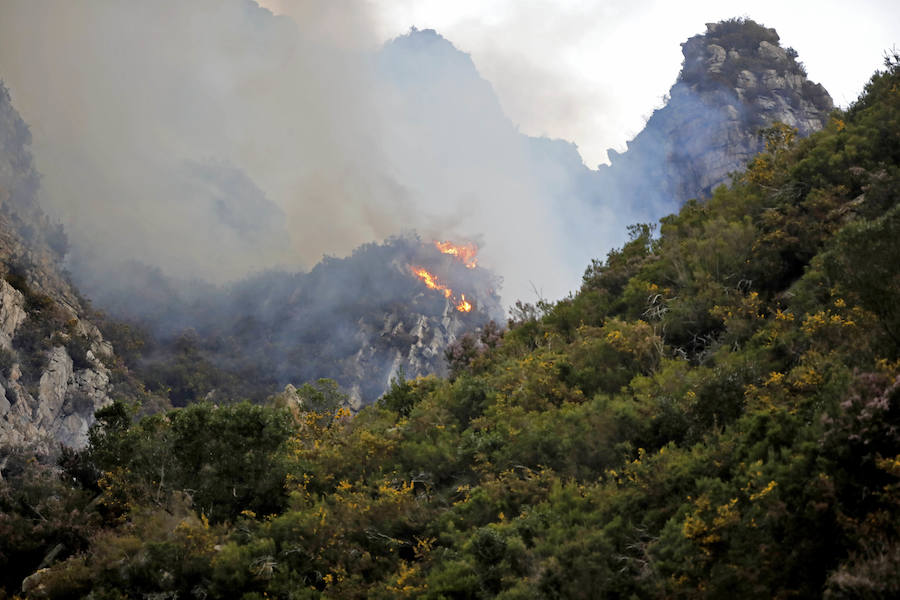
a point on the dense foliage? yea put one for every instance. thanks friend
(716, 412)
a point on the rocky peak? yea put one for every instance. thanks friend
(743, 57)
(735, 80)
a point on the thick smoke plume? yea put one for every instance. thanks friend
(211, 139)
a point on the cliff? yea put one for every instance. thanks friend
(53, 361)
(736, 79)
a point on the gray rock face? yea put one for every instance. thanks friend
(736, 80)
(12, 313)
(56, 404)
(61, 408)
(417, 342)
(716, 57)
(771, 52)
(431, 337)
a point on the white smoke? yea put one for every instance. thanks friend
(212, 138)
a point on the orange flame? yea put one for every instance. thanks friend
(465, 253)
(464, 305)
(431, 280)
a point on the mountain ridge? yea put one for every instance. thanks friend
(716, 413)
(200, 342)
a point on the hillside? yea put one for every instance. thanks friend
(56, 369)
(715, 413)
(360, 320)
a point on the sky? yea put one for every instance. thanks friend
(591, 72)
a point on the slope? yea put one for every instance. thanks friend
(56, 366)
(360, 320)
(715, 413)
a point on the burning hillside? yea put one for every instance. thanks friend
(358, 320)
(431, 280)
(464, 254)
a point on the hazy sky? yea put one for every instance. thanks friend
(592, 71)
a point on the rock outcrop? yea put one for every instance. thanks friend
(12, 313)
(409, 343)
(62, 409)
(53, 373)
(735, 80)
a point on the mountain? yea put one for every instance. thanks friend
(361, 320)
(735, 80)
(715, 413)
(55, 370)
(364, 319)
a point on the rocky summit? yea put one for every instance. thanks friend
(735, 81)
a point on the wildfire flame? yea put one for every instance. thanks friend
(431, 280)
(465, 253)
(464, 305)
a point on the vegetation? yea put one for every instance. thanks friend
(716, 412)
(47, 325)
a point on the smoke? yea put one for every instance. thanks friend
(359, 320)
(143, 114)
(212, 139)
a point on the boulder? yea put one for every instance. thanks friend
(770, 51)
(716, 57)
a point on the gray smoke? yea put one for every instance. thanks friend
(212, 139)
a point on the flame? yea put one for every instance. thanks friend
(431, 280)
(464, 253)
(464, 305)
